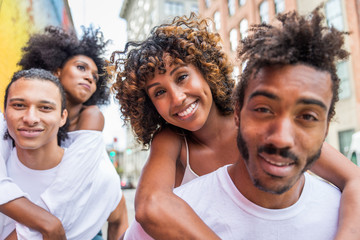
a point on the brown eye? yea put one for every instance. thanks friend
(81, 68)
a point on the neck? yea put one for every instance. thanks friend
(44, 158)
(215, 128)
(240, 176)
(73, 114)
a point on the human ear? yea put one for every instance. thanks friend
(57, 73)
(63, 117)
(237, 115)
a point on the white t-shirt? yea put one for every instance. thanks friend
(33, 182)
(85, 191)
(6, 184)
(230, 215)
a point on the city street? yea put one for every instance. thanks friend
(129, 197)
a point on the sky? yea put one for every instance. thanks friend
(104, 14)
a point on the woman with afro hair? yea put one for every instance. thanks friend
(79, 65)
(175, 90)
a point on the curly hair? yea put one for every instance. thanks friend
(44, 75)
(53, 48)
(298, 40)
(186, 41)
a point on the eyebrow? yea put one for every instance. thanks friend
(311, 101)
(171, 73)
(306, 101)
(23, 100)
(265, 94)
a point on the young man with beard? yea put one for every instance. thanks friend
(283, 107)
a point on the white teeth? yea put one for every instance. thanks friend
(279, 164)
(188, 110)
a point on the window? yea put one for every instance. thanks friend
(242, 2)
(279, 6)
(243, 28)
(334, 14)
(233, 39)
(174, 8)
(264, 11)
(345, 140)
(217, 21)
(231, 7)
(342, 70)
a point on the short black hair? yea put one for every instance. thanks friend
(43, 75)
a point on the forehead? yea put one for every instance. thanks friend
(82, 58)
(35, 90)
(300, 79)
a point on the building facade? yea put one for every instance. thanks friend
(232, 19)
(141, 17)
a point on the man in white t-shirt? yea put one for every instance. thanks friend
(34, 112)
(283, 105)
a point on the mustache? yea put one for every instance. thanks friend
(284, 152)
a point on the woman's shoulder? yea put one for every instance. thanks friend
(91, 118)
(167, 134)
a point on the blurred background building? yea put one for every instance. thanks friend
(18, 20)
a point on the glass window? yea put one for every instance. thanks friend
(174, 8)
(279, 6)
(233, 39)
(264, 12)
(242, 2)
(345, 140)
(334, 14)
(217, 21)
(231, 7)
(243, 28)
(342, 70)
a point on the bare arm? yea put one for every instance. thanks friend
(336, 168)
(118, 221)
(12, 236)
(27, 213)
(161, 213)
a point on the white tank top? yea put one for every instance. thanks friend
(189, 174)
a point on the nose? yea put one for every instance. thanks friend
(281, 133)
(31, 117)
(89, 77)
(177, 96)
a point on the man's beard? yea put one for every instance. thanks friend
(270, 149)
